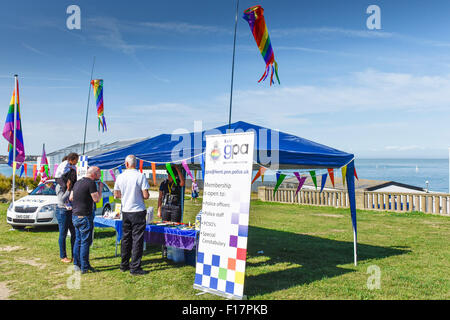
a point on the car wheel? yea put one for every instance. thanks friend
(106, 208)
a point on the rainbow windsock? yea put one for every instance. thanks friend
(8, 131)
(255, 18)
(98, 94)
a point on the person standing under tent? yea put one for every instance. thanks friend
(169, 201)
(194, 190)
(132, 188)
(83, 196)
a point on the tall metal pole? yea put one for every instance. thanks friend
(14, 141)
(87, 107)
(232, 65)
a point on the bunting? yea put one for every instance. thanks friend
(259, 173)
(14, 166)
(313, 177)
(331, 174)
(356, 174)
(34, 171)
(25, 169)
(169, 169)
(111, 172)
(22, 169)
(185, 166)
(324, 180)
(154, 173)
(301, 181)
(141, 165)
(120, 169)
(344, 174)
(280, 178)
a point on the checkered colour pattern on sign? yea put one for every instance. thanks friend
(226, 272)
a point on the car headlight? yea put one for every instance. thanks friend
(48, 208)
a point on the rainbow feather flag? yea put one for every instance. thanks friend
(8, 131)
(98, 94)
(255, 18)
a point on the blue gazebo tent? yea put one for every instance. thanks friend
(292, 152)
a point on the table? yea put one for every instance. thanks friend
(169, 236)
(101, 222)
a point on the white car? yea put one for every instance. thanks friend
(39, 207)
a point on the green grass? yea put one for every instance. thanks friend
(307, 254)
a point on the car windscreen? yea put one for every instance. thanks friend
(46, 189)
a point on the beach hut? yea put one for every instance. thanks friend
(282, 150)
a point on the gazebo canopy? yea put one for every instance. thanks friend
(279, 148)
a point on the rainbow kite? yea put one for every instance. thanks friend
(98, 94)
(255, 19)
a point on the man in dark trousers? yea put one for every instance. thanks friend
(132, 188)
(83, 196)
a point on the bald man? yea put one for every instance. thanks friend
(132, 188)
(83, 196)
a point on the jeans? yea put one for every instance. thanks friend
(64, 218)
(133, 227)
(82, 242)
(91, 231)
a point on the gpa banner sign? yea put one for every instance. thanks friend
(222, 249)
(82, 167)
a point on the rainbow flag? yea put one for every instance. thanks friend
(255, 18)
(98, 94)
(8, 131)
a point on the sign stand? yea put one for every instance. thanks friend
(222, 245)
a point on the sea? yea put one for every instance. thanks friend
(432, 174)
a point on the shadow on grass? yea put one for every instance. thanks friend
(312, 258)
(147, 264)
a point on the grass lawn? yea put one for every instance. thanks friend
(294, 252)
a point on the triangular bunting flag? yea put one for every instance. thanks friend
(120, 169)
(263, 170)
(141, 165)
(280, 178)
(324, 180)
(169, 169)
(301, 181)
(331, 174)
(22, 169)
(186, 168)
(257, 175)
(344, 173)
(356, 174)
(154, 173)
(313, 177)
(112, 174)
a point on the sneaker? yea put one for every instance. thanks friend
(139, 272)
(66, 260)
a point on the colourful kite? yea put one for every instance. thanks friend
(98, 94)
(8, 131)
(255, 19)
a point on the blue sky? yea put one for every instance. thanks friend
(375, 93)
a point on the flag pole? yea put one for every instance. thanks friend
(232, 64)
(87, 107)
(14, 141)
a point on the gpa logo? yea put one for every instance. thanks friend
(233, 150)
(215, 152)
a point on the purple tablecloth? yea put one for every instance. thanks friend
(171, 237)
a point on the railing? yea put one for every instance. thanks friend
(436, 203)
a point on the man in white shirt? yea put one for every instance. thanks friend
(132, 188)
